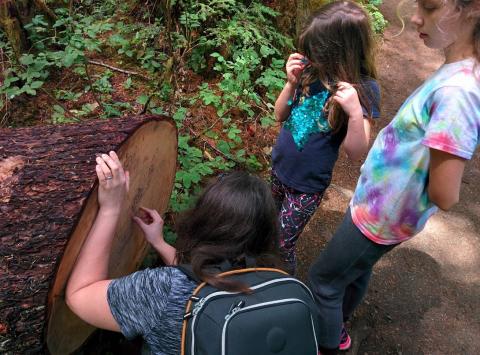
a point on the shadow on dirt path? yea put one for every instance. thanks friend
(424, 297)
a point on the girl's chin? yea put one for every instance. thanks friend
(428, 43)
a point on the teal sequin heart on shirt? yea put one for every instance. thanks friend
(307, 118)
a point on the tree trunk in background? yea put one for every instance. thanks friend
(11, 23)
(293, 14)
(15, 14)
(287, 19)
(46, 176)
(304, 9)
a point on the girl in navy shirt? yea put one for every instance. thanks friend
(330, 97)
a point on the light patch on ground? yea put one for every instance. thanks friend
(453, 242)
(462, 331)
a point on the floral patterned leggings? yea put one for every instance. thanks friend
(295, 209)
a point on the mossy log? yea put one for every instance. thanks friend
(14, 14)
(304, 9)
(10, 22)
(48, 201)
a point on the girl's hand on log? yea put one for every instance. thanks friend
(151, 223)
(113, 183)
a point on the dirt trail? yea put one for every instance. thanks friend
(424, 297)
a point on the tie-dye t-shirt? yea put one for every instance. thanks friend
(391, 203)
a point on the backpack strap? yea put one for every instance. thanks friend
(252, 269)
(224, 266)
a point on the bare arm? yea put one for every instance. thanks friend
(295, 66)
(358, 132)
(166, 252)
(282, 108)
(86, 292)
(445, 178)
(357, 138)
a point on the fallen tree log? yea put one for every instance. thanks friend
(48, 200)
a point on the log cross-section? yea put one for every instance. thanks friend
(47, 204)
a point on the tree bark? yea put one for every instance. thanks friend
(287, 19)
(10, 22)
(48, 202)
(15, 14)
(294, 13)
(304, 9)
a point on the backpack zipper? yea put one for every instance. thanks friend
(237, 309)
(234, 309)
(203, 300)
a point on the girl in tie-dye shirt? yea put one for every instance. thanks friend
(414, 167)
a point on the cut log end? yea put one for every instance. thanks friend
(48, 202)
(149, 156)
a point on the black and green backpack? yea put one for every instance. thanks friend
(277, 317)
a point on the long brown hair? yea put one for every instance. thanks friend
(339, 45)
(233, 220)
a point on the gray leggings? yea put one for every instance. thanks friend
(339, 278)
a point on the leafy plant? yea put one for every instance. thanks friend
(235, 45)
(378, 21)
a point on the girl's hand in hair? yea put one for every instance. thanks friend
(113, 183)
(347, 97)
(151, 223)
(296, 63)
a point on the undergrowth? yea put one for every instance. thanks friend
(233, 46)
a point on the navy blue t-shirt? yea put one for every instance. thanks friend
(304, 161)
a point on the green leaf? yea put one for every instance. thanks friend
(27, 59)
(128, 83)
(266, 51)
(180, 114)
(29, 90)
(157, 111)
(58, 109)
(9, 80)
(223, 146)
(267, 121)
(69, 59)
(240, 153)
(142, 99)
(36, 84)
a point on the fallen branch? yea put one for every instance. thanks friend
(66, 110)
(145, 107)
(118, 69)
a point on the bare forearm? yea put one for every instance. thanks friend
(282, 108)
(445, 178)
(166, 252)
(92, 262)
(356, 140)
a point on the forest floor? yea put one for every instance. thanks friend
(425, 295)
